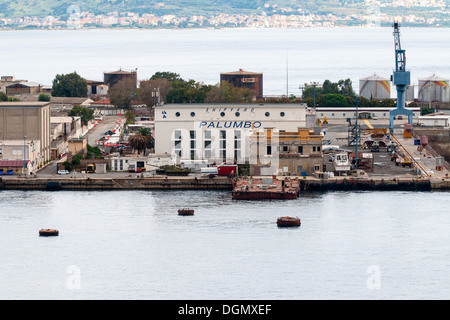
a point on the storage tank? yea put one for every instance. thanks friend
(410, 93)
(375, 87)
(434, 89)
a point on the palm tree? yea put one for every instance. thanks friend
(138, 142)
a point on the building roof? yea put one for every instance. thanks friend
(26, 84)
(434, 77)
(94, 82)
(121, 72)
(101, 102)
(241, 72)
(70, 100)
(19, 104)
(12, 163)
(374, 77)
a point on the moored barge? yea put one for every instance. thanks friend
(266, 188)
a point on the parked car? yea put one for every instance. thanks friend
(63, 172)
(109, 133)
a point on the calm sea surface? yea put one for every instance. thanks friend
(133, 245)
(287, 58)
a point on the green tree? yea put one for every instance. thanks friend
(69, 85)
(3, 96)
(138, 142)
(44, 97)
(121, 94)
(226, 92)
(147, 132)
(334, 100)
(346, 88)
(187, 92)
(84, 113)
(169, 76)
(330, 87)
(309, 92)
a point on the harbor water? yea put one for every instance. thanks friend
(134, 245)
(288, 58)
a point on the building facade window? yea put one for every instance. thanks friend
(193, 143)
(178, 143)
(207, 142)
(282, 114)
(177, 114)
(223, 145)
(237, 144)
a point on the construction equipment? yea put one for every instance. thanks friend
(401, 78)
(325, 120)
(90, 168)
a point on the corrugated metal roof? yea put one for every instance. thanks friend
(12, 163)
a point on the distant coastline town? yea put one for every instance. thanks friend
(429, 13)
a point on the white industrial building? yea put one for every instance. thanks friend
(220, 132)
(434, 120)
(363, 113)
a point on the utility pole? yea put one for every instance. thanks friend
(357, 133)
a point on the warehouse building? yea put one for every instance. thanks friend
(25, 133)
(221, 132)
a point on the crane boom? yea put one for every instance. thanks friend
(401, 79)
(400, 55)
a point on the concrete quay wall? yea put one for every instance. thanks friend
(115, 184)
(187, 183)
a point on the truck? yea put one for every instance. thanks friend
(227, 170)
(210, 171)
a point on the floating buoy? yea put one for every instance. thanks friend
(48, 232)
(185, 212)
(288, 222)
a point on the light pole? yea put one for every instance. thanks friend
(24, 155)
(357, 133)
(314, 85)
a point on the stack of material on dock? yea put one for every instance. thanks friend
(266, 188)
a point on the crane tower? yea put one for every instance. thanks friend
(401, 78)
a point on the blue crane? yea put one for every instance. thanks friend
(401, 79)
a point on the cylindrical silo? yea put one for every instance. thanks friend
(410, 93)
(433, 89)
(375, 87)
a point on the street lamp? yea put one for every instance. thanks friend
(314, 85)
(357, 133)
(24, 155)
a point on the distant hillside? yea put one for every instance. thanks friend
(59, 8)
(432, 12)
